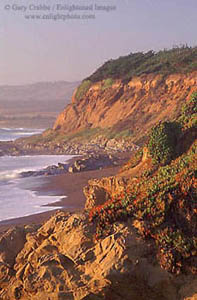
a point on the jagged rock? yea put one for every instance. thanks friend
(51, 170)
(26, 146)
(5, 274)
(100, 190)
(62, 260)
(95, 195)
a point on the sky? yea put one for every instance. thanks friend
(44, 49)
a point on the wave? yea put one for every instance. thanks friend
(12, 166)
(5, 128)
(18, 197)
(14, 173)
(21, 128)
(27, 133)
(11, 134)
(36, 204)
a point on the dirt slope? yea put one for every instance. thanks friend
(135, 106)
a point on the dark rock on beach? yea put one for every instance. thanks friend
(87, 163)
(93, 162)
(51, 170)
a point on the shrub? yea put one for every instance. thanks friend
(176, 60)
(82, 89)
(162, 141)
(188, 116)
(107, 83)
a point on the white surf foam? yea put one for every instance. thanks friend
(11, 134)
(17, 201)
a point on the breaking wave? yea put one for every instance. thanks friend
(11, 134)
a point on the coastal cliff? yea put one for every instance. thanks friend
(115, 107)
(116, 118)
(131, 108)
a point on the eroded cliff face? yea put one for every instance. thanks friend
(136, 106)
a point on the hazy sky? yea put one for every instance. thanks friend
(49, 50)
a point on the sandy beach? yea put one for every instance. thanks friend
(69, 185)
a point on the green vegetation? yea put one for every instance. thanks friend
(84, 134)
(47, 136)
(162, 141)
(123, 134)
(88, 133)
(164, 136)
(107, 83)
(188, 116)
(85, 85)
(161, 202)
(176, 60)
(82, 89)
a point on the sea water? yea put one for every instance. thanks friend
(17, 198)
(10, 134)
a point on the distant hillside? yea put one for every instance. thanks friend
(34, 105)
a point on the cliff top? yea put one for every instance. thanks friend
(176, 60)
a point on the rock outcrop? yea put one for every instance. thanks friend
(62, 260)
(93, 162)
(98, 191)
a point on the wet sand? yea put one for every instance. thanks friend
(69, 185)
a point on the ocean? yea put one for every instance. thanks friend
(17, 195)
(10, 134)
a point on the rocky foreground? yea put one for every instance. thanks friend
(62, 260)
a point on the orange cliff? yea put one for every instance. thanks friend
(136, 105)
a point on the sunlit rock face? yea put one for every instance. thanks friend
(137, 105)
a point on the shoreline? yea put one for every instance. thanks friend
(63, 185)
